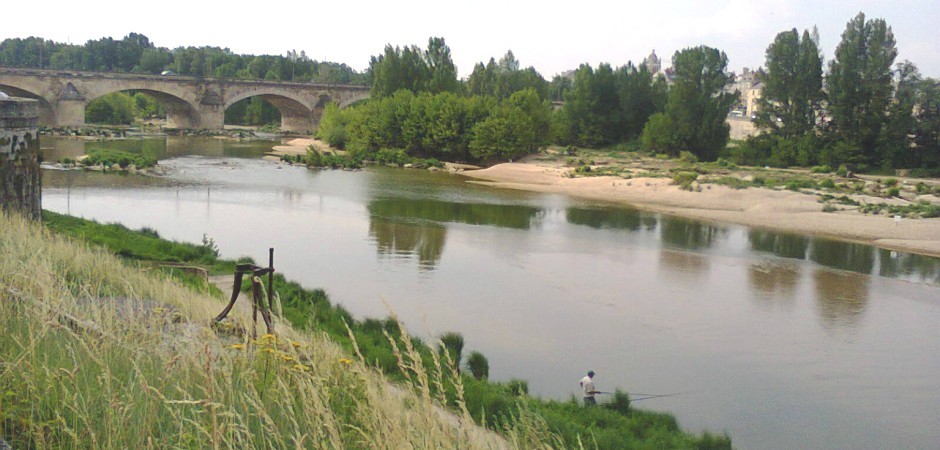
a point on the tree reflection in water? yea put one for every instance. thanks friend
(403, 226)
(424, 240)
(777, 281)
(842, 297)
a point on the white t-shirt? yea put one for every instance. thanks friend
(588, 384)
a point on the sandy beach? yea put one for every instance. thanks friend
(778, 210)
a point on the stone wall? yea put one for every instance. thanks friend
(20, 177)
(741, 128)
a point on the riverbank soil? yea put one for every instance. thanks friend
(829, 205)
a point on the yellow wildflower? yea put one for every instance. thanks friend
(345, 361)
(301, 367)
(286, 357)
(237, 346)
(295, 344)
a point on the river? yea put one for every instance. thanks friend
(783, 341)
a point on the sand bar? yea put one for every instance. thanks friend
(778, 210)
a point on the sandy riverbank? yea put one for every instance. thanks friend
(778, 210)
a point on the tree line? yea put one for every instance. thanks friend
(861, 110)
(864, 112)
(135, 53)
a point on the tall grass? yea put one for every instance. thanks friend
(421, 374)
(96, 354)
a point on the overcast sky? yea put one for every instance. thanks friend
(552, 36)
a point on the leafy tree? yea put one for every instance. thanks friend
(860, 88)
(443, 73)
(640, 97)
(517, 126)
(792, 92)
(155, 60)
(698, 105)
(333, 126)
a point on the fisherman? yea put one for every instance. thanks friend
(587, 383)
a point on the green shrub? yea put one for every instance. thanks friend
(732, 182)
(684, 180)
(827, 183)
(821, 169)
(478, 365)
(111, 157)
(583, 169)
(759, 181)
(688, 157)
(922, 188)
(620, 402)
(724, 163)
(518, 387)
(842, 171)
(828, 207)
(889, 182)
(893, 192)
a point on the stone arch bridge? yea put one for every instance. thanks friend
(192, 103)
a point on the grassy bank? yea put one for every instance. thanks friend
(240, 393)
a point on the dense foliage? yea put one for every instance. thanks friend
(443, 126)
(136, 54)
(697, 107)
(606, 106)
(870, 117)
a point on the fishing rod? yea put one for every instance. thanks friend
(644, 396)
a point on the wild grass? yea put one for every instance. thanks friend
(96, 354)
(369, 400)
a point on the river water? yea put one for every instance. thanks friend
(783, 341)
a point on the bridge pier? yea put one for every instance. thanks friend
(297, 123)
(70, 113)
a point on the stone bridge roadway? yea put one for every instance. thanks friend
(192, 103)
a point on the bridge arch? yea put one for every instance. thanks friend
(295, 115)
(180, 113)
(46, 111)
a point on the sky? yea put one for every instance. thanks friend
(551, 36)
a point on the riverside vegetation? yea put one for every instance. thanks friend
(102, 351)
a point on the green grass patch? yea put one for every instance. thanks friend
(107, 157)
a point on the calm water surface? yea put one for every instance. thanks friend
(783, 341)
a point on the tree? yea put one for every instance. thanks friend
(698, 105)
(519, 125)
(443, 73)
(860, 88)
(792, 92)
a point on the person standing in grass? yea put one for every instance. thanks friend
(587, 383)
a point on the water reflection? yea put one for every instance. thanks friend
(440, 211)
(611, 218)
(776, 282)
(424, 240)
(841, 297)
(685, 264)
(843, 255)
(404, 226)
(895, 265)
(689, 235)
(57, 148)
(782, 245)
